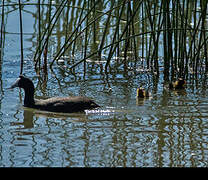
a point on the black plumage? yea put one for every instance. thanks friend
(54, 104)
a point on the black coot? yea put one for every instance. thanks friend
(55, 104)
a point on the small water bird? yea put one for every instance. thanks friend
(142, 93)
(178, 84)
(54, 104)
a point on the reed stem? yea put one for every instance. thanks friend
(21, 38)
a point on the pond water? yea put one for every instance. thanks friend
(168, 130)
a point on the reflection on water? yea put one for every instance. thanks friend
(170, 129)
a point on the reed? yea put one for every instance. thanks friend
(121, 36)
(39, 34)
(21, 38)
(106, 28)
(114, 37)
(79, 22)
(169, 33)
(2, 30)
(45, 65)
(69, 41)
(48, 30)
(2, 24)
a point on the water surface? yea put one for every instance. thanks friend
(167, 130)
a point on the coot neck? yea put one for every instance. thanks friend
(29, 97)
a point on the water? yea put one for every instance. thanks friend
(167, 130)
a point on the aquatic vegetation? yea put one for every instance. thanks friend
(128, 30)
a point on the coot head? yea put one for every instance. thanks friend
(23, 82)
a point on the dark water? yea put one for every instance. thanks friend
(167, 130)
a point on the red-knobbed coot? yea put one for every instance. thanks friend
(55, 104)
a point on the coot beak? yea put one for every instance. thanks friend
(16, 84)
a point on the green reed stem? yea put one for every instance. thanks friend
(79, 22)
(134, 39)
(21, 38)
(2, 28)
(39, 33)
(116, 32)
(106, 27)
(204, 10)
(127, 33)
(45, 65)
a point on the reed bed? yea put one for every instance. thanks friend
(167, 36)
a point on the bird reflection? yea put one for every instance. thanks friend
(28, 119)
(181, 92)
(29, 114)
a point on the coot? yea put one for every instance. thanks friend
(178, 84)
(142, 93)
(54, 104)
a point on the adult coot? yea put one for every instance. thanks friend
(55, 104)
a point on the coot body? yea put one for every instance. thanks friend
(142, 93)
(54, 104)
(178, 84)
